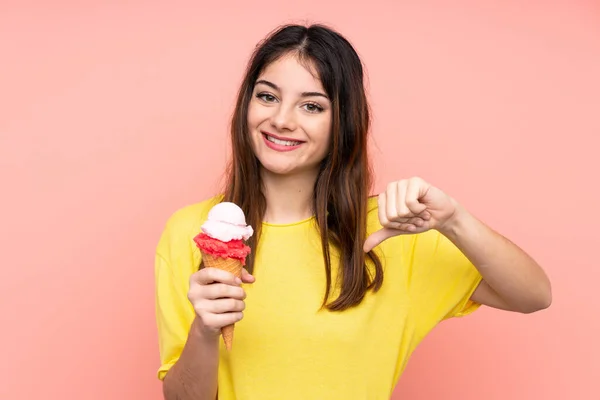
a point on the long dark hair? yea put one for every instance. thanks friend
(342, 187)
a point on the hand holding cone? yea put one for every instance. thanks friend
(222, 246)
(234, 267)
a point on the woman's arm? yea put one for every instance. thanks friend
(194, 375)
(512, 280)
(218, 300)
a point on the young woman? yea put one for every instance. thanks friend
(340, 287)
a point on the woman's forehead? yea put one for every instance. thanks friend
(289, 73)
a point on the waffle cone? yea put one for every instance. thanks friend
(230, 265)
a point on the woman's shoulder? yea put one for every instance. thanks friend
(372, 204)
(193, 212)
(372, 215)
(187, 220)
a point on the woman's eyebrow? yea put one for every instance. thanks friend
(303, 94)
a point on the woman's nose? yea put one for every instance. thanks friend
(284, 118)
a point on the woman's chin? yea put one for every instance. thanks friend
(283, 169)
(276, 169)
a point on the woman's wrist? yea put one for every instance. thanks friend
(202, 334)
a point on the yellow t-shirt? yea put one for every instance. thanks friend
(285, 347)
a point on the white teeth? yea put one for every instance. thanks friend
(282, 142)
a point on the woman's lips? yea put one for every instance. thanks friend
(281, 147)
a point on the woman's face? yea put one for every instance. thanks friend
(289, 118)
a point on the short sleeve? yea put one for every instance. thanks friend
(441, 280)
(176, 260)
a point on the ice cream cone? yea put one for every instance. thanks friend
(230, 265)
(221, 243)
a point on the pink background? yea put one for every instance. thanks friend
(114, 115)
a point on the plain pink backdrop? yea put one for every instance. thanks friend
(114, 115)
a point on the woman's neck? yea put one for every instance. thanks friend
(289, 197)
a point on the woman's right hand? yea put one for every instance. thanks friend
(218, 298)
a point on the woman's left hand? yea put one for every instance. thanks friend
(411, 206)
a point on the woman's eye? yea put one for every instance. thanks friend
(313, 108)
(266, 97)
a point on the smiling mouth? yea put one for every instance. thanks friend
(281, 142)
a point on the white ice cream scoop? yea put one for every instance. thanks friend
(227, 222)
